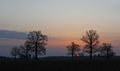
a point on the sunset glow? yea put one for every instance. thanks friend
(63, 21)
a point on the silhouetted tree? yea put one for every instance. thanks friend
(25, 50)
(15, 52)
(37, 42)
(91, 39)
(72, 49)
(106, 50)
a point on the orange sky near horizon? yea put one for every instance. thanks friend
(65, 21)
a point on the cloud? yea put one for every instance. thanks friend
(6, 34)
(12, 34)
(9, 39)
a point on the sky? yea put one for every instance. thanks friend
(63, 21)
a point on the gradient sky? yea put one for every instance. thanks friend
(63, 20)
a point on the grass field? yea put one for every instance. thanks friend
(60, 65)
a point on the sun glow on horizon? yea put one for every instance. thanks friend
(63, 21)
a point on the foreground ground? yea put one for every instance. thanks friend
(60, 65)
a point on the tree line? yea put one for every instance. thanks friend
(91, 38)
(35, 44)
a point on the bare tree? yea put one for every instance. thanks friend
(37, 42)
(25, 50)
(91, 39)
(15, 52)
(72, 49)
(106, 50)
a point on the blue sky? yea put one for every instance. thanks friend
(65, 20)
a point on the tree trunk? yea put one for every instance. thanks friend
(72, 55)
(26, 54)
(107, 55)
(90, 52)
(91, 47)
(36, 54)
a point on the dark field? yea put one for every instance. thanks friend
(61, 65)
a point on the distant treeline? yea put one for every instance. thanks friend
(35, 44)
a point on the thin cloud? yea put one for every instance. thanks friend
(12, 34)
